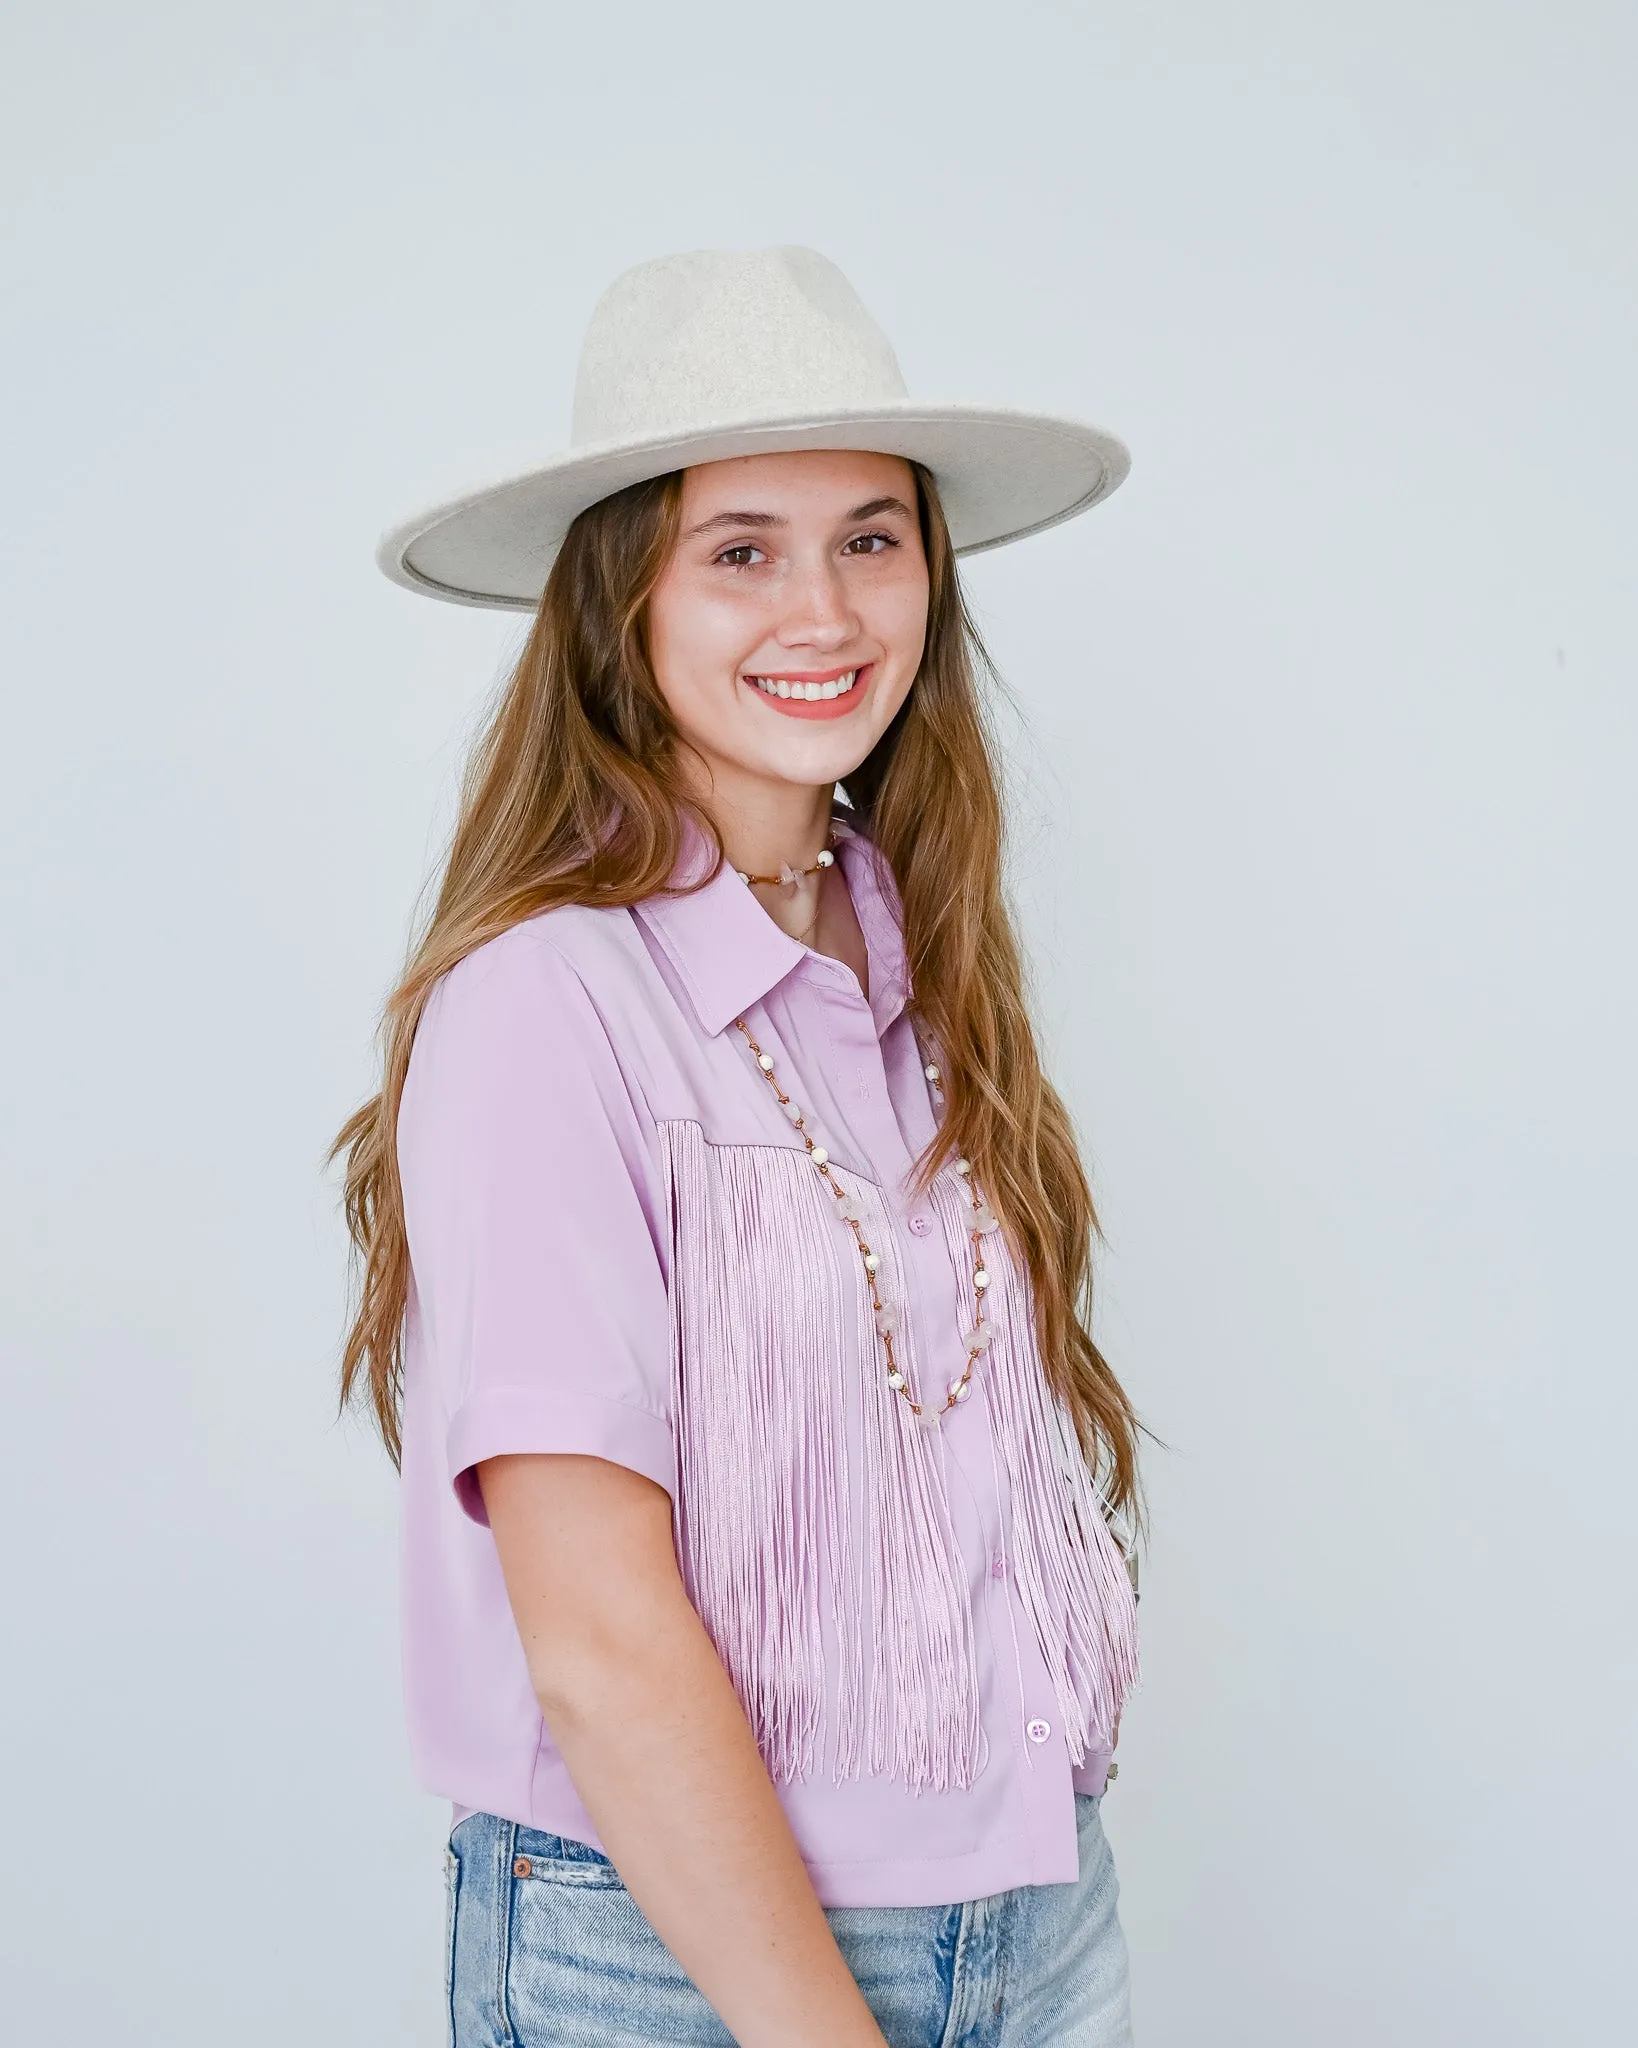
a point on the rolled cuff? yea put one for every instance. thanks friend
(522, 1419)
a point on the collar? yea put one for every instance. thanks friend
(729, 953)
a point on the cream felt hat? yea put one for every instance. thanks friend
(716, 353)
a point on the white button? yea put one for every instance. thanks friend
(921, 1225)
(1037, 1730)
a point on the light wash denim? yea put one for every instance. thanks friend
(547, 1949)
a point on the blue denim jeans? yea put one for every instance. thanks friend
(547, 1949)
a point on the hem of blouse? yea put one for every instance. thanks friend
(943, 1880)
(1092, 1773)
(1001, 1865)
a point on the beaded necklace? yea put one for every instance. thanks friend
(789, 875)
(980, 1222)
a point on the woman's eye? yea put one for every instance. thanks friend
(870, 544)
(738, 557)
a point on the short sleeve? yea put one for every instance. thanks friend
(533, 1213)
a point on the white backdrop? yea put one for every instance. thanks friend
(1326, 759)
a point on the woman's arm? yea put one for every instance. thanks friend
(659, 1748)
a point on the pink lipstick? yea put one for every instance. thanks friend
(812, 693)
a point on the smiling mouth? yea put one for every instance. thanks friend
(820, 694)
(811, 689)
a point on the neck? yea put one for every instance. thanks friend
(765, 823)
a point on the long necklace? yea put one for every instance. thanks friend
(980, 1222)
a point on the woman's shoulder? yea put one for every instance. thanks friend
(568, 979)
(549, 1006)
(521, 1066)
(580, 940)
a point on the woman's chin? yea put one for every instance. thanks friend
(828, 760)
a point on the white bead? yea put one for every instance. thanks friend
(792, 1109)
(743, 876)
(960, 1389)
(818, 1155)
(765, 1061)
(931, 1072)
(896, 1381)
(964, 1166)
(981, 1279)
(826, 858)
(871, 1262)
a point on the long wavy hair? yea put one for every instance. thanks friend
(573, 794)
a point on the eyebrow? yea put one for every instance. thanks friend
(872, 508)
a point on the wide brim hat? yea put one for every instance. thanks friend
(719, 353)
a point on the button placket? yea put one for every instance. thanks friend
(857, 1054)
(839, 1017)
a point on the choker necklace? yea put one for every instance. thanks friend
(789, 875)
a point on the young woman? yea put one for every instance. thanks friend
(725, 1252)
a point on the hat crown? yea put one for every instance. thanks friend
(717, 335)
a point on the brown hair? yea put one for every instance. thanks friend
(573, 795)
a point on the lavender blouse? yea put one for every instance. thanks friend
(620, 1247)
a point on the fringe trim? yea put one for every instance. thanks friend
(1070, 1571)
(804, 1565)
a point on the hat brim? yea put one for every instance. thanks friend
(1001, 474)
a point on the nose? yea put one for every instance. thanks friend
(817, 612)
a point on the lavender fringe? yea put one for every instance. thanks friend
(800, 1560)
(1069, 1570)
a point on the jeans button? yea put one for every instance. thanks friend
(1037, 1730)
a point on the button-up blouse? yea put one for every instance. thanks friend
(620, 1247)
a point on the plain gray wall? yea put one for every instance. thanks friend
(1325, 854)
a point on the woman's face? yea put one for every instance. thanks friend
(789, 623)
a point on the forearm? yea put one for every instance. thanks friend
(662, 1756)
(659, 1749)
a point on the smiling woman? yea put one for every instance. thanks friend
(798, 585)
(769, 1509)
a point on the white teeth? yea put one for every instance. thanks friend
(811, 693)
